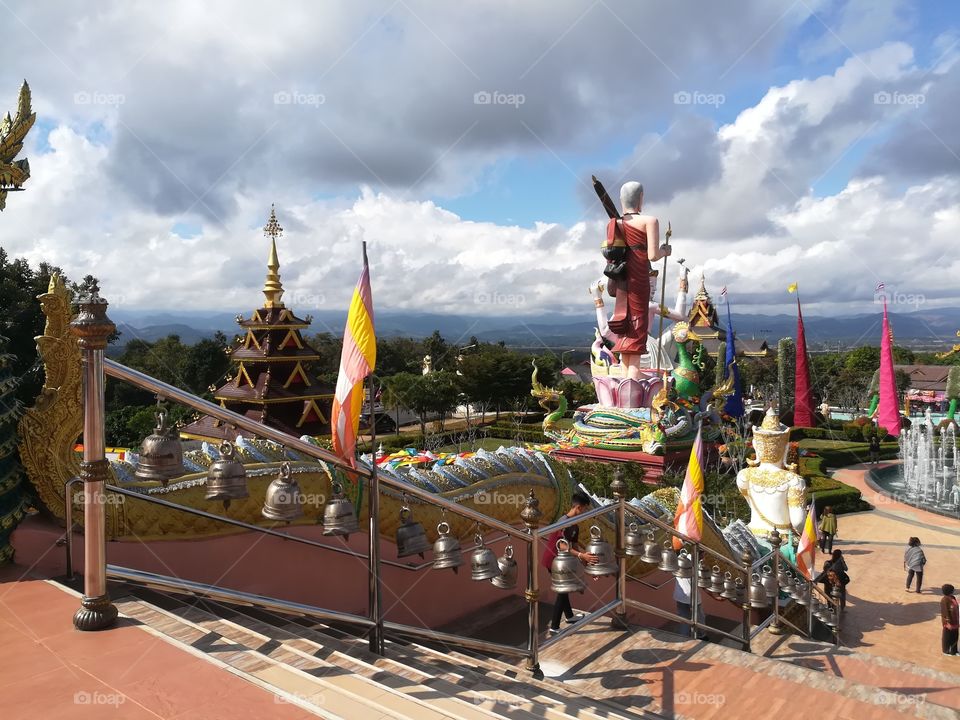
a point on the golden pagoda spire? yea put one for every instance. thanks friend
(272, 288)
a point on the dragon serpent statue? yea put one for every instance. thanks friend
(49, 430)
(13, 131)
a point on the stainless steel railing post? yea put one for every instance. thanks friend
(619, 489)
(92, 329)
(775, 540)
(531, 515)
(746, 558)
(373, 512)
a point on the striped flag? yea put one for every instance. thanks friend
(689, 517)
(357, 361)
(792, 288)
(723, 292)
(807, 547)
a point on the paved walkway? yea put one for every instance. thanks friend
(882, 618)
(49, 670)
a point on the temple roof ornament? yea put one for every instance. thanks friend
(13, 131)
(272, 289)
(703, 316)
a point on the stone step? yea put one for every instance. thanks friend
(518, 693)
(726, 673)
(330, 693)
(867, 668)
(290, 647)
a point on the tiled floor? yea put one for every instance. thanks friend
(49, 670)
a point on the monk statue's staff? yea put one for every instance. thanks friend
(663, 296)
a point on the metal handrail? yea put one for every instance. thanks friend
(237, 597)
(565, 521)
(68, 537)
(676, 533)
(162, 389)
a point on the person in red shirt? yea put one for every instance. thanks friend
(950, 615)
(562, 606)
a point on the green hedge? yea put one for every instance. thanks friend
(827, 491)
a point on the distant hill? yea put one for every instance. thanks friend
(922, 329)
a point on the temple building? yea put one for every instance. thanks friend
(705, 322)
(271, 382)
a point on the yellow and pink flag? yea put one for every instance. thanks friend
(689, 517)
(357, 361)
(807, 547)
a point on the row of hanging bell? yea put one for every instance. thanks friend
(757, 595)
(283, 501)
(161, 453)
(226, 477)
(565, 570)
(339, 515)
(411, 537)
(606, 561)
(633, 541)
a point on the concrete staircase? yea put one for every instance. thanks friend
(332, 673)
(598, 672)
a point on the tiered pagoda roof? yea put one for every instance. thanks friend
(705, 322)
(271, 382)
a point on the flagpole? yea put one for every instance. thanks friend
(373, 518)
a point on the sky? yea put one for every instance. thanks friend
(811, 141)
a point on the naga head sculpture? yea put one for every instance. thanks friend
(770, 440)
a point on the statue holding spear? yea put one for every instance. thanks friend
(631, 245)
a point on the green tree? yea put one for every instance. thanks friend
(865, 359)
(903, 356)
(786, 369)
(14, 497)
(397, 393)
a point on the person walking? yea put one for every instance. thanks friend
(828, 529)
(913, 562)
(874, 449)
(571, 533)
(838, 563)
(681, 595)
(950, 615)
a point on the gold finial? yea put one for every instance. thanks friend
(272, 288)
(771, 421)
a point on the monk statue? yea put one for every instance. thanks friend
(632, 243)
(775, 492)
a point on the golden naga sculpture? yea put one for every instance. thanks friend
(955, 350)
(49, 431)
(13, 131)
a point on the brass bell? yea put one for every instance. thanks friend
(483, 563)
(758, 594)
(161, 453)
(283, 501)
(769, 581)
(411, 537)
(226, 477)
(668, 558)
(829, 617)
(684, 565)
(786, 582)
(633, 541)
(729, 587)
(507, 579)
(565, 571)
(446, 550)
(703, 576)
(802, 593)
(339, 517)
(716, 581)
(651, 553)
(606, 562)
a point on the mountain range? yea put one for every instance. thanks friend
(926, 329)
